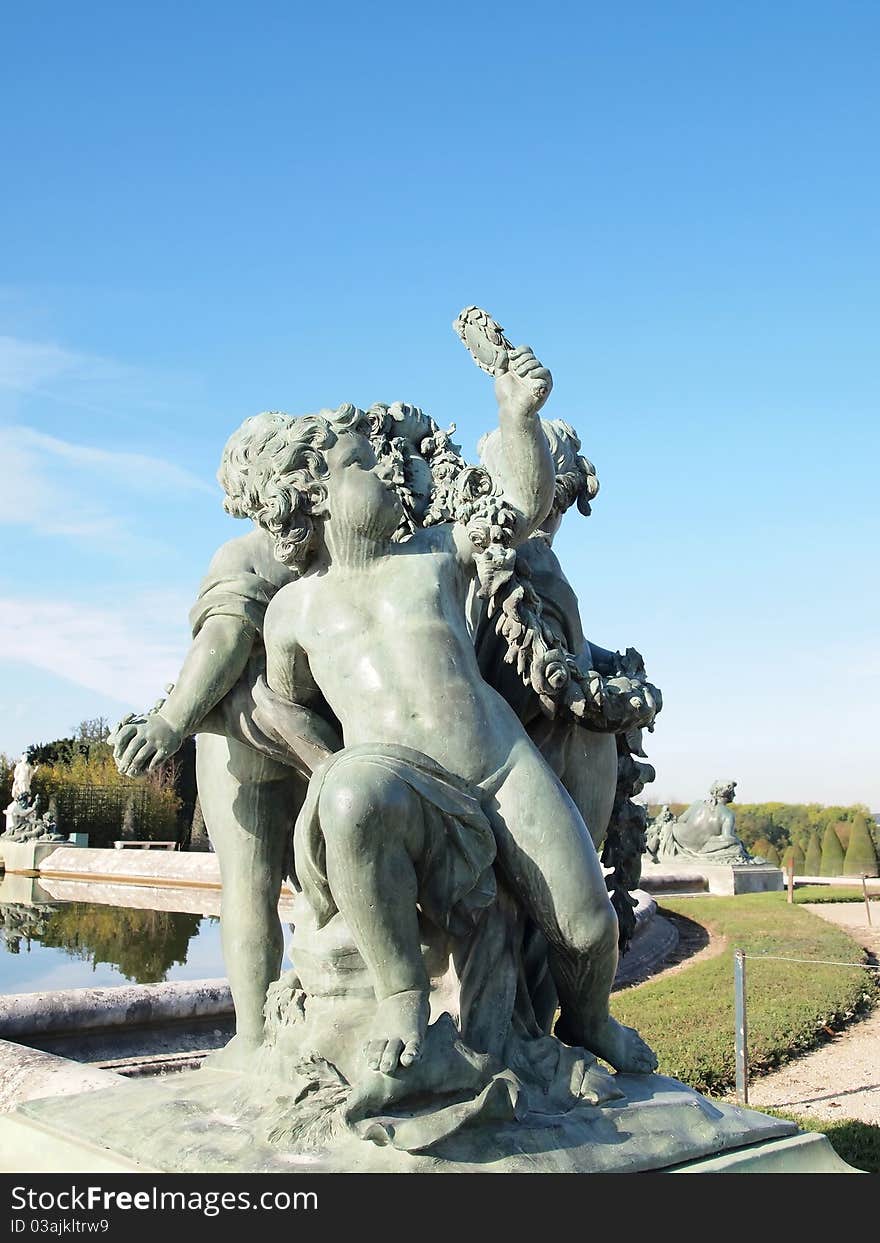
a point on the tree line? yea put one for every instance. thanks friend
(93, 797)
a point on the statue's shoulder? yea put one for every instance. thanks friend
(251, 553)
(236, 556)
(439, 538)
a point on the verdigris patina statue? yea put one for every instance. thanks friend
(359, 730)
(593, 756)
(433, 792)
(704, 832)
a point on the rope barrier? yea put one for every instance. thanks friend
(822, 962)
(740, 1038)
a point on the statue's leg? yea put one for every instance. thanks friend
(249, 803)
(590, 777)
(586, 764)
(550, 863)
(373, 830)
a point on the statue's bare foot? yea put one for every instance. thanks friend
(397, 1031)
(623, 1048)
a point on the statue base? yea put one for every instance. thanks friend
(214, 1121)
(671, 876)
(27, 857)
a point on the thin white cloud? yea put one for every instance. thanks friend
(26, 366)
(58, 488)
(127, 654)
(134, 470)
(45, 370)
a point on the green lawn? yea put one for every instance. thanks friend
(688, 1016)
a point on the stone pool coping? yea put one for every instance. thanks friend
(24, 1015)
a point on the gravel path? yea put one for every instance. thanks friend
(842, 1078)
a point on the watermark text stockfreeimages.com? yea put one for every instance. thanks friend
(98, 1199)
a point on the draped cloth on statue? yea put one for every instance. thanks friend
(241, 594)
(454, 872)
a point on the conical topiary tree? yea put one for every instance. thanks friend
(860, 858)
(832, 854)
(793, 852)
(771, 854)
(813, 861)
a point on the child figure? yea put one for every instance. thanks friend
(438, 781)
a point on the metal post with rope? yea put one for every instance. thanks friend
(740, 1022)
(741, 1041)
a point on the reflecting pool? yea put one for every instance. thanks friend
(54, 945)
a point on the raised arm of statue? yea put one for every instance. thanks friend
(689, 813)
(526, 474)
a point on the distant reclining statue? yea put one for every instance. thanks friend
(704, 832)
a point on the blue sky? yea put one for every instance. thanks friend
(209, 210)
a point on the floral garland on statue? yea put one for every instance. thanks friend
(621, 702)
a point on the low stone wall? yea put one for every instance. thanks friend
(155, 868)
(26, 857)
(872, 882)
(24, 1015)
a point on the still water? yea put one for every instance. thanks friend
(87, 945)
(57, 933)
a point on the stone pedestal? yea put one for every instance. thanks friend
(27, 857)
(213, 1121)
(692, 877)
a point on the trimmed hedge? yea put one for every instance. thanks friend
(832, 854)
(860, 858)
(834, 893)
(794, 852)
(813, 861)
(765, 850)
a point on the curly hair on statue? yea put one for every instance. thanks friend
(272, 471)
(576, 479)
